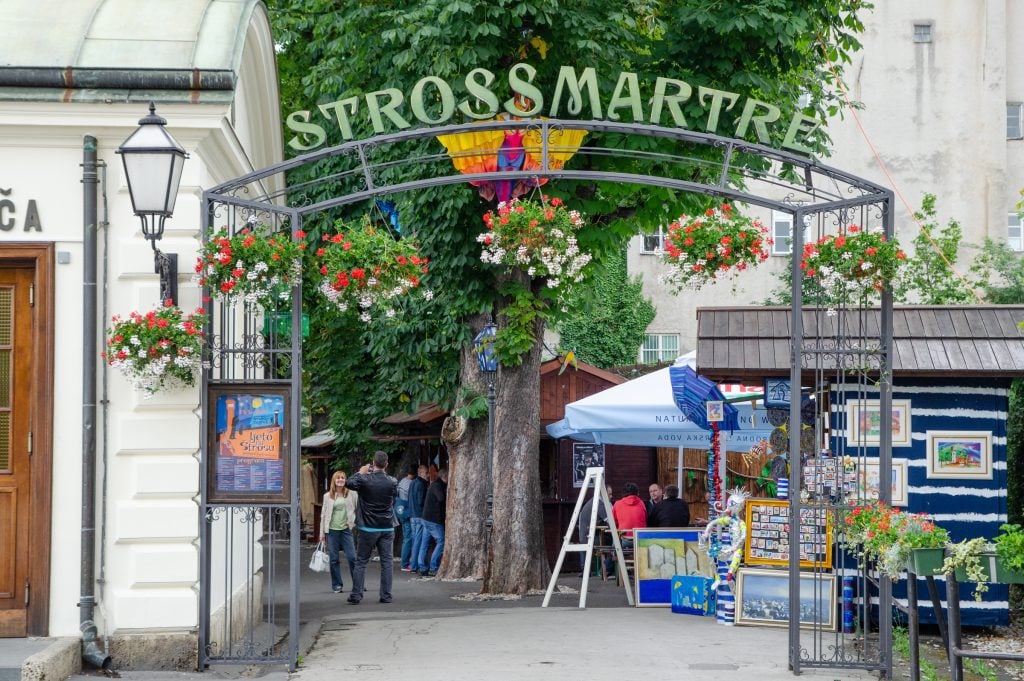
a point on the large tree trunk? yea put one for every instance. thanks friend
(517, 561)
(465, 542)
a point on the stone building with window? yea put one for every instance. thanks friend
(944, 109)
(76, 77)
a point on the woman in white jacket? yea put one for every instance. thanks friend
(337, 519)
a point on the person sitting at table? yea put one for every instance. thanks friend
(670, 511)
(629, 513)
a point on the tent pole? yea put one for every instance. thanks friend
(679, 470)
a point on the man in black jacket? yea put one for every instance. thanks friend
(670, 511)
(375, 519)
(434, 508)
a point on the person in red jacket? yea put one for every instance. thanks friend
(629, 512)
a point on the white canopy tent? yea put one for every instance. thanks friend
(642, 412)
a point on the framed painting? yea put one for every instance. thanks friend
(249, 459)
(769, 536)
(869, 476)
(864, 423)
(762, 598)
(960, 454)
(661, 553)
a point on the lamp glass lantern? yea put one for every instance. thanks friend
(483, 345)
(153, 161)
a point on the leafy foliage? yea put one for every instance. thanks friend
(1000, 273)
(855, 264)
(768, 49)
(928, 276)
(608, 322)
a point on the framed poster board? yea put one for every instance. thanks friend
(768, 534)
(868, 481)
(960, 454)
(661, 553)
(762, 597)
(584, 456)
(864, 419)
(248, 457)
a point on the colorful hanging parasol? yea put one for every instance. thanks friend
(490, 151)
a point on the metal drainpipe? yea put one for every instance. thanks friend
(91, 651)
(104, 395)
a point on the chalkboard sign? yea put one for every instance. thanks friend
(768, 534)
(584, 456)
(248, 455)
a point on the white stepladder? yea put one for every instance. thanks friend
(595, 477)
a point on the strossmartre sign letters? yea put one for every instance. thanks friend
(432, 102)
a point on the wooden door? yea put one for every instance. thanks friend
(16, 359)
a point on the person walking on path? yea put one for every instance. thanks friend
(402, 512)
(337, 518)
(375, 519)
(434, 508)
(670, 511)
(417, 495)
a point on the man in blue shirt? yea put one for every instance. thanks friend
(417, 495)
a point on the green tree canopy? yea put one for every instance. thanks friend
(608, 329)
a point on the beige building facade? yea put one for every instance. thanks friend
(209, 67)
(942, 92)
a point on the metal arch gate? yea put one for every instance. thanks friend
(841, 351)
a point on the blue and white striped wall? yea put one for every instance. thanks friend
(966, 508)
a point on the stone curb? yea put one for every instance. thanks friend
(57, 662)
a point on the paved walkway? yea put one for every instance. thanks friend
(438, 630)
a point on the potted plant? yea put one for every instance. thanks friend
(983, 562)
(716, 245)
(536, 237)
(891, 538)
(366, 269)
(251, 266)
(156, 349)
(856, 263)
(535, 245)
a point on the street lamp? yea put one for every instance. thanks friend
(152, 164)
(487, 359)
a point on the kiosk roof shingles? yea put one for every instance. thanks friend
(928, 340)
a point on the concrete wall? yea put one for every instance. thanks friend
(935, 113)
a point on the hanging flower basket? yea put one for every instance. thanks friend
(857, 262)
(717, 245)
(538, 238)
(366, 269)
(157, 349)
(250, 266)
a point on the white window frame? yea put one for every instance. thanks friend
(782, 244)
(922, 32)
(1015, 232)
(647, 244)
(1014, 120)
(660, 352)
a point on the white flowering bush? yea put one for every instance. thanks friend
(366, 270)
(157, 349)
(250, 266)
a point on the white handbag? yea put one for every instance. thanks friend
(320, 562)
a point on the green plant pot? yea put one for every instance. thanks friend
(994, 570)
(926, 562)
